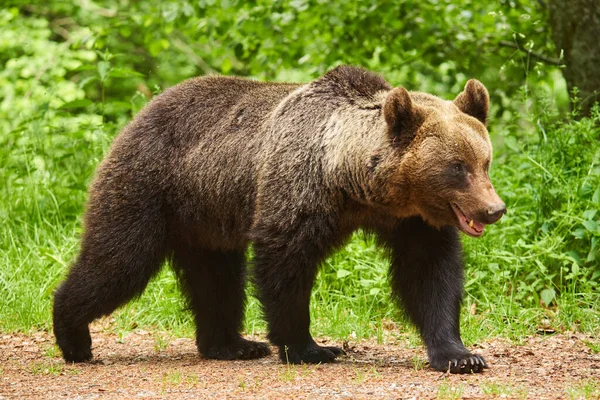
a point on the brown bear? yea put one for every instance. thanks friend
(217, 163)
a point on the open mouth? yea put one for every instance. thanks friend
(466, 224)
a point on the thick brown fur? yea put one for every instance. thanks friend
(217, 163)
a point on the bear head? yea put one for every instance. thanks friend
(441, 156)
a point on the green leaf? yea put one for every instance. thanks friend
(591, 226)
(299, 5)
(84, 68)
(578, 233)
(575, 269)
(86, 81)
(226, 66)
(575, 256)
(374, 291)
(155, 48)
(125, 31)
(342, 273)
(494, 267)
(103, 69)
(547, 295)
(124, 73)
(596, 196)
(169, 15)
(589, 214)
(76, 104)
(591, 256)
(545, 227)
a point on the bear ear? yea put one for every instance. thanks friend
(474, 100)
(403, 117)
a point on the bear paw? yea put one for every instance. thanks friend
(77, 355)
(240, 349)
(309, 354)
(459, 364)
(75, 344)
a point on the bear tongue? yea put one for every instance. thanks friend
(478, 226)
(469, 226)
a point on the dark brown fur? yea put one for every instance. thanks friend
(216, 163)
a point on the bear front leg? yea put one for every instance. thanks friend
(285, 267)
(427, 278)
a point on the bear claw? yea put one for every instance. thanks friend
(463, 364)
(309, 354)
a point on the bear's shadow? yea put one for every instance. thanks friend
(183, 359)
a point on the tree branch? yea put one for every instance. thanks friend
(196, 59)
(534, 54)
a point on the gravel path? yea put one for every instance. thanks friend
(143, 365)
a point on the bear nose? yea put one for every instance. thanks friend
(495, 212)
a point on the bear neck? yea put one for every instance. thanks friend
(360, 160)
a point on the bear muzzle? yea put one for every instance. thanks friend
(467, 223)
(473, 224)
(494, 212)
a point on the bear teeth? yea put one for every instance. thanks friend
(470, 223)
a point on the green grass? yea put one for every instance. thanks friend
(496, 390)
(589, 389)
(47, 368)
(419, 363)
(172, 378)
(52, 351)
(446, 391)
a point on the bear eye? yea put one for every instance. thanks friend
(458, 168)
(486, 167)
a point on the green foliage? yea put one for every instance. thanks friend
(431, 45)
(74, 73)
(548, 243)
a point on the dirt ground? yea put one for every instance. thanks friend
(145, 365)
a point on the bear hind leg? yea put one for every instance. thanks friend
(214, 284)
(115, 264)
(285, 267)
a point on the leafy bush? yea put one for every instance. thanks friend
(547, 245)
